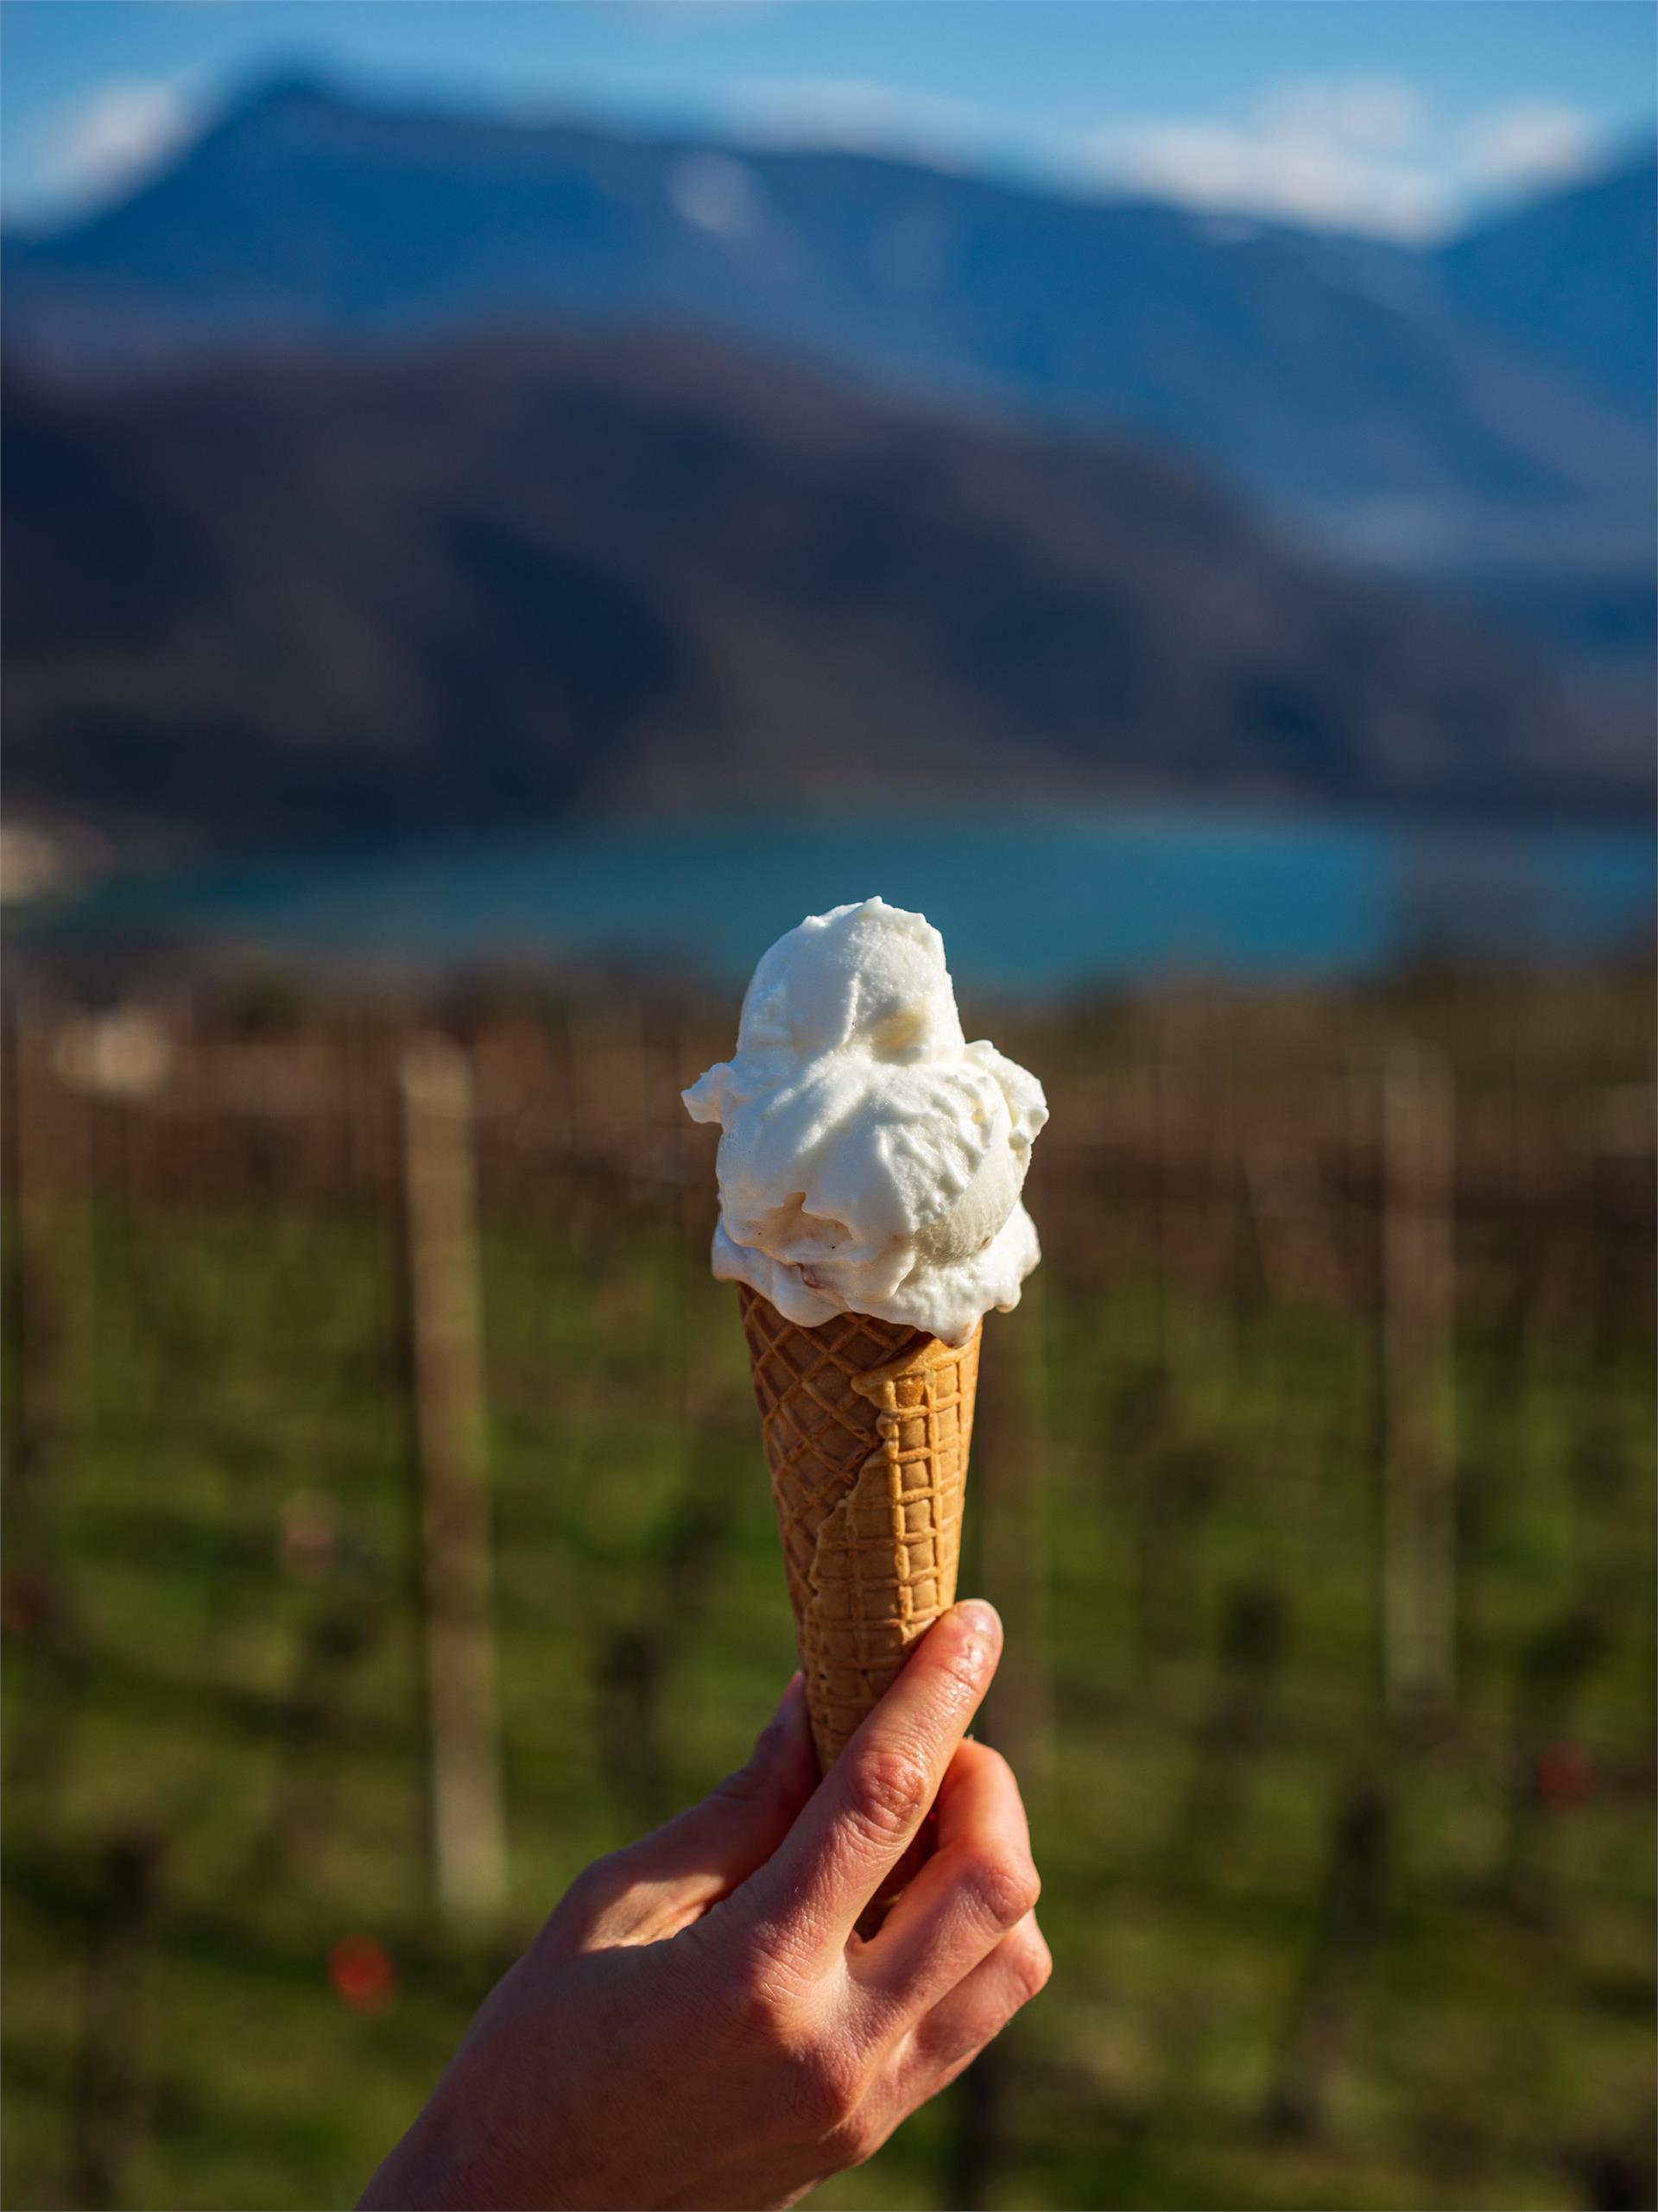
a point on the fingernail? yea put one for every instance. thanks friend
(791, 1697)
(766, 1742)
(981, 1631)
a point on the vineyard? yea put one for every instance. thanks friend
(387, 1534)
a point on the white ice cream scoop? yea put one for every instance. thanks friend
(873, 1160)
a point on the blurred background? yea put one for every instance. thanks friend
(506, 509)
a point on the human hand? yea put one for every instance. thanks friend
(698, 2023)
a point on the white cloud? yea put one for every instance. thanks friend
(1362, 154)
(857, 114)
(1343, 155)
(1531, 142)
(1214, 166)
(109, 140)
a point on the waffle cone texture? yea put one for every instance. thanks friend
(866, 1427)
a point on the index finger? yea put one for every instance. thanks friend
(870, 1804)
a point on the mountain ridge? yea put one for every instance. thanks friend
(1317, 375)
(522, 579)
(1537, 272)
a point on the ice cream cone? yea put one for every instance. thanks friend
(866, 1426)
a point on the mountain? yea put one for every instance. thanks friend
(1387, 398)
(1571, 280)
(366, 596)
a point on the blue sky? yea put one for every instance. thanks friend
(1398, 116)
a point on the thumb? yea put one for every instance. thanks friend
(653, 1888)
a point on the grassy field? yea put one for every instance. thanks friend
(1315, 1946)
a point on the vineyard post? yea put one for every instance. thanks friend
(50, 1315)
(445, 1380)
(109, 2083)
(1418, 1413)
(1007, 1510)
(48, 1286)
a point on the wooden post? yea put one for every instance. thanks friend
(1173, 1075)
(1549, 1769)
(1222, 1227)
(1346, 1931)
(108, 2086)
(1418, 1413)
(49, 1255)
(49, 1312)
(1007, 1521)
(16, 1121)
(635, 1674)
(1007, 1497)
(468, 1827)
(1193, 1155)
(1252, 1640)
(305, 1774)
(974, 2162)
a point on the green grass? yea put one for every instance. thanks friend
(1185, 1543)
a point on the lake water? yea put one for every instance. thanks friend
(1028, 901)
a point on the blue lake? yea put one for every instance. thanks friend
(1035, 901)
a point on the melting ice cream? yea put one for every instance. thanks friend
(871, 1160)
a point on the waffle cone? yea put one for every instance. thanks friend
(866, 1427)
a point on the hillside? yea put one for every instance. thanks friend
(367, 597)
(1344, 383)
(1569, 279)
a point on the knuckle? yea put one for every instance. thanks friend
(998, 1761)
(1033, 1965)
(887, 1794)
(594, 1888)
(854, 2142)
(1004, 1887)
(766, 1993)
(825, 2084)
